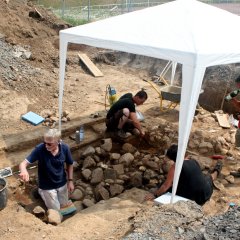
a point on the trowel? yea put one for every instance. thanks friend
(7, 172)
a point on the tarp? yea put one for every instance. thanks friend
(189, 32)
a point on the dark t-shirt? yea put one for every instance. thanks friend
(193, 184)
(123, 102)
(51, 170)
(127, 95)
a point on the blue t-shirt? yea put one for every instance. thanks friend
(51, 169)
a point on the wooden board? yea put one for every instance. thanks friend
(90, 65)
(223, 120)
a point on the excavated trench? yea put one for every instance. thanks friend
(104, 172)
(105, 167)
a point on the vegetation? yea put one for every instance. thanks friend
(75, 22)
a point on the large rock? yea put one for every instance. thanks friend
(86, 173)
(107, 144)
(110, 174)
(88, 162)
(136, 179)
(116, 189)
(88, 151)
(77, 195)
(54, 217)
(102, 193)
(127, 147)
(97, 176)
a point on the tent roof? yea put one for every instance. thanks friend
(185, 31)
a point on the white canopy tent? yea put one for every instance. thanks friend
(189, 32)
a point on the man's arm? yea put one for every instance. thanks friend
(168, 182)
(70, 177)
(24, 175)
(136, 123)
(165, 186)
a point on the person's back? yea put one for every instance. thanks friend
(193, 183)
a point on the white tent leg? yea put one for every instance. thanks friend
(174, 66)
(189, 98)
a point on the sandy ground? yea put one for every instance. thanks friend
(83, 95)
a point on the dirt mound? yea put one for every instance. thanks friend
(37, 32)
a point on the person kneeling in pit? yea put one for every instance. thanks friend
(53, 181)
(193, 184)
(122, 117)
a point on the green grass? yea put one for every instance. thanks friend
(74, 22)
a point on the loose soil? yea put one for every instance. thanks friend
(32, 85)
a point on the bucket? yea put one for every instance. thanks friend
(3, 193)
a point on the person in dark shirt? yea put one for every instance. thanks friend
(193, 184)
(236, 104)
(54, 182)
(122, 117)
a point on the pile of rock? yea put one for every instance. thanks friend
(203, 140)
(184, 220)
(105, 173)
(51, 118)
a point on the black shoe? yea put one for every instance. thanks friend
(218, 168)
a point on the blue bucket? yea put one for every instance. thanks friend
(3, 193)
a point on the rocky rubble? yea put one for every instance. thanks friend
(184, 220)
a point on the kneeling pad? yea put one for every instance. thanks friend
(68, 209)
(33, 118)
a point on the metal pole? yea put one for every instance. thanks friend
(89, 4)
(63, 7)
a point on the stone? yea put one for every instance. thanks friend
(77, 195)
(78, 205)
(126, 159)
(118, 168)
(88, 203)
(124, 177)
(115, 156)
(116, 189)
(97, 176)
(88, 151)
(142, 168)
(88, 162)
(110, 174)
(107, 144)
(150, 164)
(103, 192)
(127, 147)
(54, 217)
(148, 174)
(100, 151)
(136, 179)
(230, 179)
(218, 185)
(109, 181)
(86, 173)
(39, 212)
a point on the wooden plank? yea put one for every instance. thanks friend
(90, 65)
(223, 120)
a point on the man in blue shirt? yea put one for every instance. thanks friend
(54, 181)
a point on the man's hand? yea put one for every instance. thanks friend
(149, 197)
(70, 186)
(24, 175)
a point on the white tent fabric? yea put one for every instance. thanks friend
(189, 32)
